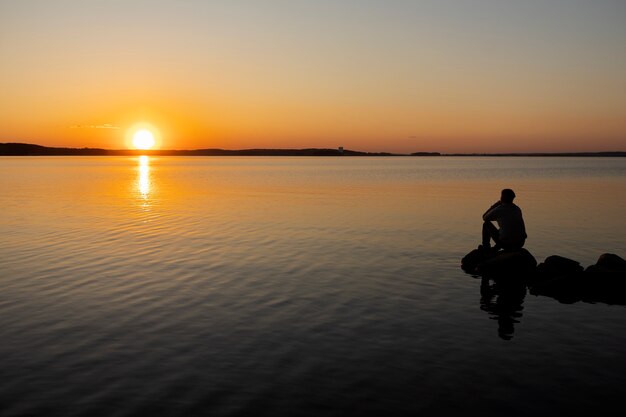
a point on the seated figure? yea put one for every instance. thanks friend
(511, 234)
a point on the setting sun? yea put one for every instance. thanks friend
(143, 139)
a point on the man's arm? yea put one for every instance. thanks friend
(489, 214)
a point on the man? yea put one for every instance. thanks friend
(512, 232)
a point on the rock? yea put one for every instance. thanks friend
(612, 262)
(606, 280)
(470, 262)
(558, 266)
(609, 264)
(560, 278)
(508, 263)
(489, 263)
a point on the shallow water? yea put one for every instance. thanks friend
(298, 286)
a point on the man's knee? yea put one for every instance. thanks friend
(490, 232)
(488, 226)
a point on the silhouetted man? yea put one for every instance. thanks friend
(512, 232)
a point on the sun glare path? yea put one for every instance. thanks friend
(143, 183)
(143, 139)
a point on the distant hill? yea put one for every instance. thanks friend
(27, 149)
(608, 154)
(425, 154)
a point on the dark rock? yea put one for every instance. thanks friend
(470, 262)
(558, 266)
(609, 264)
(606, 280)
(508, 263)
(612, 262)
(489, 263)
(560, 278)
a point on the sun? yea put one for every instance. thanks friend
(143, 139)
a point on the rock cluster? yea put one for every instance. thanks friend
(557, 277)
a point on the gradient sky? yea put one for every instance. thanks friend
(398, 76)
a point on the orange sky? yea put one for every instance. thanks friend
(402, 76)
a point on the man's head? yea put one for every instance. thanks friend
(507, 195)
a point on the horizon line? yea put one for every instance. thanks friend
(339, 151)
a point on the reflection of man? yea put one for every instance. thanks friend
(512, 232)
(507, 308)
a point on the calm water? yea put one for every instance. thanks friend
(298, 286)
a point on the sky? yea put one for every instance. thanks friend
(393, 76)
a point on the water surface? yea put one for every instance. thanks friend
(298, 286)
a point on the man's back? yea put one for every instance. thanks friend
(510, 221)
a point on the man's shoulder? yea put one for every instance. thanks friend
(511, 207)
(515, 209)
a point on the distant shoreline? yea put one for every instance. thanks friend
(26, 149)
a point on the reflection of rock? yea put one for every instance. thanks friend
(489, 263)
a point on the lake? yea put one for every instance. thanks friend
(304, 286)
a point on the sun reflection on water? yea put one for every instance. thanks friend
(143, 182)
